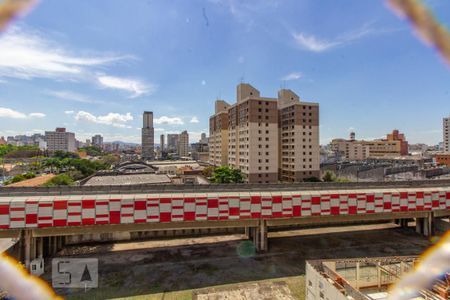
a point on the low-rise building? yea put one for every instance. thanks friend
(395, 144)
(364, 278)
(441, 159)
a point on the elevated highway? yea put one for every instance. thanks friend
(52, 213)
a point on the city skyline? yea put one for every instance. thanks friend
(94, 82)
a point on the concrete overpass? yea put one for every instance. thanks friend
(42, 217)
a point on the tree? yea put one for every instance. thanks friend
(208, 171)
(226, 174)
(92, 150)
(329, 176)
(58, 180)
(109, 159)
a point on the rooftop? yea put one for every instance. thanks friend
(134, 179)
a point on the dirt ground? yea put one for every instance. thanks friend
(226, 267)
(37, 181)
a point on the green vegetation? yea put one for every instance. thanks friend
(20, 177)
(92, 151)
(83, 166)
(208, 171)
(58, 180)
(11, 151)
(226, 174)
(329, 176)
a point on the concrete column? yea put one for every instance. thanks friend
(60, 244)
(25, 238)
(247, 232)
(428, 225)
(357, 276)
(263, 232)
(54, 244)
(379, 275)
(419, 225)
(256, 238)
(40, 247)
(404, 223)
(33, 248)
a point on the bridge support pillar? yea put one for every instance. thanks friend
(40, 247)
(25, 244)
(404, 223)
(256, 238)
(425, 226)
(247, 232)
(54, 244)
(263, 239)
(419, 225)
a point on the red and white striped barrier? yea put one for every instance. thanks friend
(78, 210)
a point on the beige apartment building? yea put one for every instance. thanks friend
(446, 133)
(183, 144)
(218, 135)
(268, 139)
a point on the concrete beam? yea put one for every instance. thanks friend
(75, 230)
(313, 220)
(10, 233)
(441, 213)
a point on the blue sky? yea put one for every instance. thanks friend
(95, 66)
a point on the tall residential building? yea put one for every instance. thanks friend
(148, 152)
(203, 138)
(446, 132)
(183, 144)
(218, 134)
(299, 137)
(161, 142)
(172, 143)
(268, 139)
(97, 140)
(60, 140)
(395, 144)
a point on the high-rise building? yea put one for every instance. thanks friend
(172, 143)
(183, 144)
(148, 152)
(161, 142)
(97, 140)
(60, 140)
(268, 139)
(218, 134)
(203, 138)
(446, 132)
(299, 137)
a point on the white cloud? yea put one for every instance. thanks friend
(136, 87)
(159, 129)
(169, 120)
(71, 96)
(315, 44)
(292, 76)
(37, 115)
(13, 114)
(194, 120)
(312, 43)
(28, 54)
(112, 119)
(69, 112)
